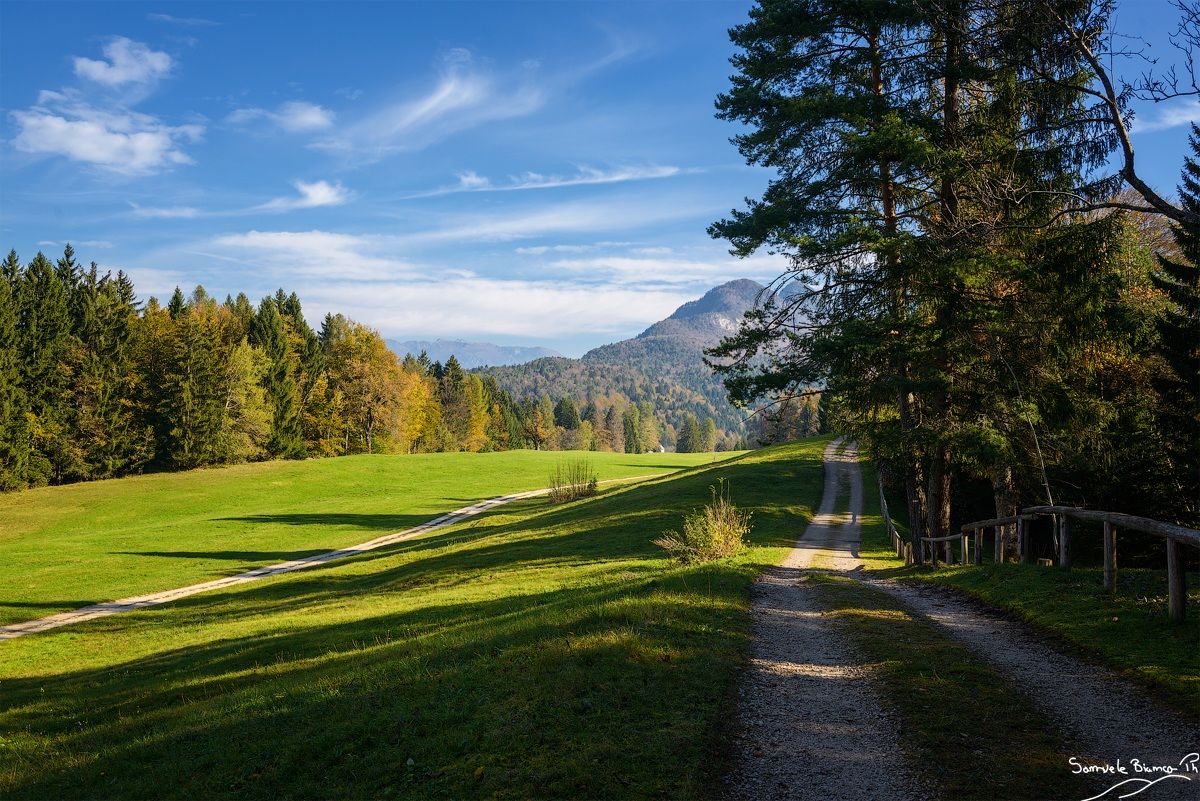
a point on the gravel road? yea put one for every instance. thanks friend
(810, 726)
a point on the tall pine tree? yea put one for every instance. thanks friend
(1179, 332)
(269, 334)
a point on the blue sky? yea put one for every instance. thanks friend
(534, 173)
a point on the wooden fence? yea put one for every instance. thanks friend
(1175, 536)
(902, 547)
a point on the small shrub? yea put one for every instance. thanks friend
(713, 532)
(573, 480)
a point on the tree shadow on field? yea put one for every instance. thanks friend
(370, 522)
(618, 684)
(576, 692)
(243, 556)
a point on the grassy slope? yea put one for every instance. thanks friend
(1129, 631)
(66, 547)
(531, 652)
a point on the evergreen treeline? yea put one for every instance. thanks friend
(95, 384)
(993, 320)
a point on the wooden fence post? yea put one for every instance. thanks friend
(1110, 557)
(965, 549)
(979, 546)
(998, 532)
(1064, 542)
(1025, 541)
(1176, 586)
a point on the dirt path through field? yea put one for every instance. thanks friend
(812, 727)
(810, 724)
(1104, 716)
(154, 599)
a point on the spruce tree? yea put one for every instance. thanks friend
(632, 423)
(566, 414)
(1179, 346)
(269, 335)
(46, 342)
(177, 305)
(689, 436)
(191, 401)
(14, 429)
(708, 435)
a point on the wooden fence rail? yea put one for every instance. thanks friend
(1176, 537)
(903, 549)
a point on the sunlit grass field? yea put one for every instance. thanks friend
(66, 547)
(536, 651)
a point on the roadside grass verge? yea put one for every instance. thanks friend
(1128, 632)
(536, 651)
(965, 728)
(66, 547)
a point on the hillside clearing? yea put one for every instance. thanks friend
(68, 547)
(536, 651)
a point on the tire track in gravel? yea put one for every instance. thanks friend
(810, 725)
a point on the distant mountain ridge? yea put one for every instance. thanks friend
(472, 354)
(664, 364)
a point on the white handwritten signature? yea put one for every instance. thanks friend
(1190, 764)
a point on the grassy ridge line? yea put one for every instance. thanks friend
(533, 652)
(67, 547)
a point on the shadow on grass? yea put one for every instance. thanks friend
(371, 522)
(532, 680)
(245, 556)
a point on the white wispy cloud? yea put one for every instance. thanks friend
(643, 270)
(165, 213)
(463, 96)
(585, 176)
(311, 196)
(568, 218)
(129, 62)
(120, 140)
(540, 250)
(104, 131)
(86, 243)
(308, 196)
(334, 256)
(294, 116)
(1174, 115)
(194, 22)
(487, 307)
(356, 275)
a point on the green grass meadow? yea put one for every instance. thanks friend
(66, 547)
(534, 651)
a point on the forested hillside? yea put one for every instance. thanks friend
(95, 383)
(663, 365)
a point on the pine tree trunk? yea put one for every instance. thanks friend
(1004, 490)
